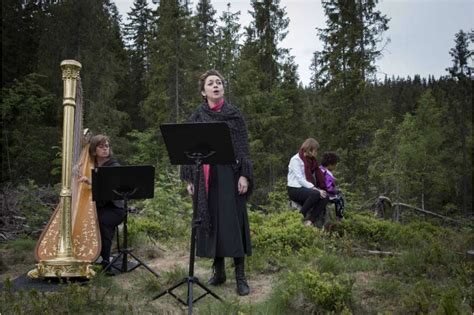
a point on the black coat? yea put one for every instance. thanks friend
(224, 231)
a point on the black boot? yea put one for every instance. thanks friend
(242, 285)
(218, 275)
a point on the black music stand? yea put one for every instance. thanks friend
(196, 144)
(124, 183)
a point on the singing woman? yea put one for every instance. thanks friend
(224, 229)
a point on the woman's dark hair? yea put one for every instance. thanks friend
(95, 142)
(203, 77)
(330, 158)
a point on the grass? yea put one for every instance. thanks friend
(294, 270)
(21, 244)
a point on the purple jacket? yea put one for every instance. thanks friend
(330, 181)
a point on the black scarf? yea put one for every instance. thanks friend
(243, 165)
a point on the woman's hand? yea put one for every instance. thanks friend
(85, 180)
(243, 185)
(322, 193)
(190, 189)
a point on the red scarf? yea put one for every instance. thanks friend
(206, 168)
(311, 166)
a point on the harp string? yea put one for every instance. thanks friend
(77, 148)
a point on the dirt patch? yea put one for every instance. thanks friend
(176, 258)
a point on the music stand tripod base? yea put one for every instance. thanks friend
(126, 251)
(191, 279)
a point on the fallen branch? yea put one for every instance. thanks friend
(376, 252)
(426, 212)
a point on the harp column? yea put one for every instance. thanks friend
(65, 264)
(71, 70)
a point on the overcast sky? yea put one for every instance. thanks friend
(421, 32)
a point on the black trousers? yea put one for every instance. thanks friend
(109, 217)
(311, 201)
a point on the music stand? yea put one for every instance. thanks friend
(124, 183)
(196, 144)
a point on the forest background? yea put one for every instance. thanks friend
(406, 138)
(409, 139)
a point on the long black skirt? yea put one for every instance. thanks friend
(230, 233)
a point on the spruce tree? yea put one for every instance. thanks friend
(137, 33)
(29, 131)
(351, 45)
(205, 25)
(227, 48)
(422, 155)
(21, 29)
(270, 25)
(462, 74)
(461, 55)
(351, 41)
(172, 83)
(264, 70)
(88, 31)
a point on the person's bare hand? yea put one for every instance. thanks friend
(243, 185)
(323, 193)
(85, 180)
(190, 189)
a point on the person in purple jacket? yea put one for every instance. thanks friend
(328, 165)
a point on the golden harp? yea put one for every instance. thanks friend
(70, 242)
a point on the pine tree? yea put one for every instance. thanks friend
(88, 31)
(21, 29)
(270, 25)
(205, 25)
(422, 155)
(351, 38)
(137, 33)
(461, 102)
(29, 131)
(461, 55)
(227, 48)
(172, 92)
(317, 80)
(345, 65)
(263, 71)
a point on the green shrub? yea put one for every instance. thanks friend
(149, 227)
(168, 214)
(433, 260)
(16, 252)
(282, 234)
(330, 263)
(21, 244)
(278, 200)
(372, 232)
(450, 302)
(388, 287)
(321, 292)
(35, 204)
(419, 299)
(69, 299)
(465, 276)
(170, 199)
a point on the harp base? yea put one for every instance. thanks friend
(62, 268)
